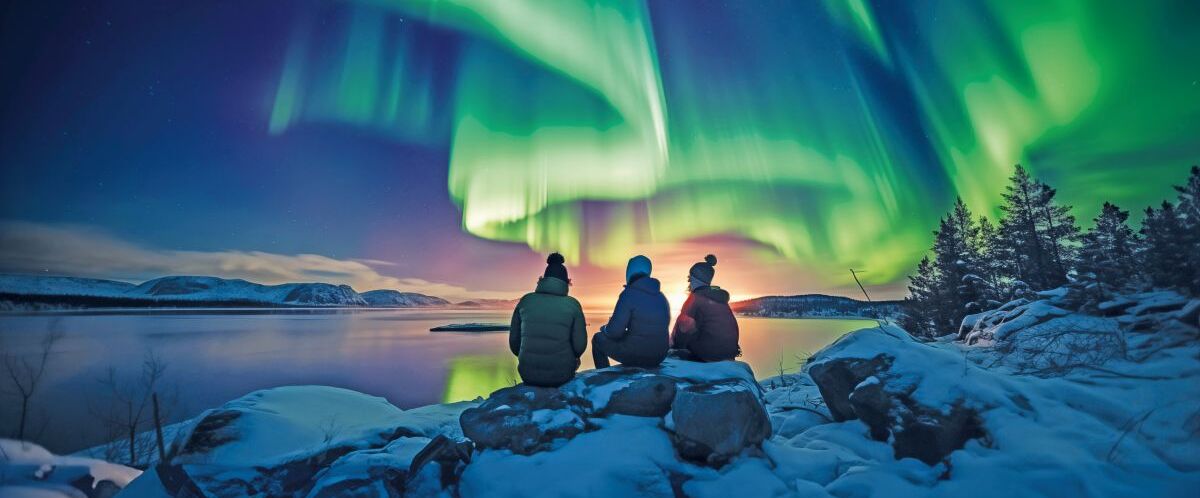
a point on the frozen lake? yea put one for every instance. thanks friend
(213, 356)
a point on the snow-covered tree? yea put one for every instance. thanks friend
(957, 257)
(1188, 207)
(954, 283)
(1106, 258)
(996, 289)
(921, 305)
(1189, 198)
(1165, 254)
(1037, 237)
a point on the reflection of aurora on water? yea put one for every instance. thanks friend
(478, 375)
(834, 133)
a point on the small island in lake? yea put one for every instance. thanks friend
(471, 327)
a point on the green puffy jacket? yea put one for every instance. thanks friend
(548, 334)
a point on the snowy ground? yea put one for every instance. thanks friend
(1072, 404)
(28, 471)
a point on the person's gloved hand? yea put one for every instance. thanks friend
(685, 324)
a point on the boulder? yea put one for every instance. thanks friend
(625, 390)
(858, 382)
(301, 440)
(404, 467)
(838, 379)
(645, 396)
(525, 419)
(376, 473)
(714, 421)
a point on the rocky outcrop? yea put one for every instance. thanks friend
(304, 441)
(858, 380)
(312, 441)
(713, 411)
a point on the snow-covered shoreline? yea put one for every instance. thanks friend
(1042, 400)
(42, 292)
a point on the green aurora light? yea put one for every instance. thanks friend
(834, 133)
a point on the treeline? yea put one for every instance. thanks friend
(977, 264)
(815, 305)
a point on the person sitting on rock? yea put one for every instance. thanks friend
(706, 327)
(636, 334)
(548, 333)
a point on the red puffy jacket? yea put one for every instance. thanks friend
(706, 326)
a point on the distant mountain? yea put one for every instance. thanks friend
(46, 291)
(815, 305)
(396, 299)
(45, 285)
(237, 290)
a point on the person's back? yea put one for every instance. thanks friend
(706, 326)
(637, 333)
(713, 333)
(548, 332)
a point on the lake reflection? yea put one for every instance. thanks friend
(217, 355)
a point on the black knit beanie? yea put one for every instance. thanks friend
(704, 271)
(555, 268)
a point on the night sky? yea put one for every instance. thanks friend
(444, 147)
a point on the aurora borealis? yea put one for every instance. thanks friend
(832, 133)
(444, 139)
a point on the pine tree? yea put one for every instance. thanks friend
(922, 301)
(952, 284)
(1037, 238)
(957, 260)
(1189, 198)
(1106, 258)
(991, 267)
(1165, 253)
(1188, 207)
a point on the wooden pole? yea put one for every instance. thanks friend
(860, 285)
(162, 452)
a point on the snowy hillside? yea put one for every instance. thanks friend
(390, 298)
(47, 291)
(54, 286)
(219, 289)
(815, 305)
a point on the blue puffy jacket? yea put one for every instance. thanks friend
(639, 324)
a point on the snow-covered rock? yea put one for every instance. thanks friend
(1055, 416)
(894, 385)
(525, 419)
(715, 421)
(713, 410)
(283, 441)
(634, 392)
(28, 470)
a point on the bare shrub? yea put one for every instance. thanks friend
(127, 416)
(22, 375)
